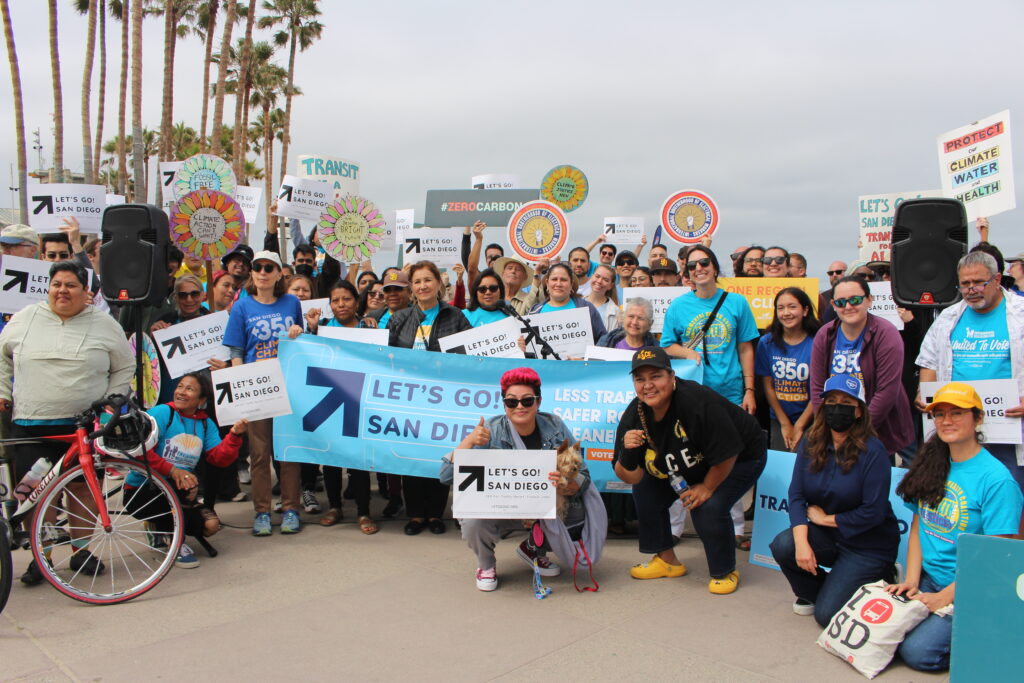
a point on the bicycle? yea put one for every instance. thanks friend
(134, 546)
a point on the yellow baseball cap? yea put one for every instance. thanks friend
(959, 394)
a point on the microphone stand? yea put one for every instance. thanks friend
(532, 333)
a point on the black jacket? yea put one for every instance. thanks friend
(404, 325)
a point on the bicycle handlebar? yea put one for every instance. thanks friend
(114, 401)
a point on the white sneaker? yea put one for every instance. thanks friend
(309, 502)
(244, 476)
(186, 558)
(487, 579)
(803, 608)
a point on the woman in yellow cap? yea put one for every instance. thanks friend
(954, 486)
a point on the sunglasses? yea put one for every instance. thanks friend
(389, 290)
(628, 262)
(735, 255)
(377, 293)
(264, 268)
(195, 294)
(608, 253)
(483, 289)
(834, 272)
(61, 255)
(852, 300)
(702, 262)
(527, 401)
(751, 259)
(777, 260)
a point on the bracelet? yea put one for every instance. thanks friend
(748, 389)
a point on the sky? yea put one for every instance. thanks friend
(784, 113)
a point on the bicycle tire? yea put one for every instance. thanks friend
(6, 566)
(135, 556)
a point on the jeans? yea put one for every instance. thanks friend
(712, 520)
(850, 570)
(926, 648)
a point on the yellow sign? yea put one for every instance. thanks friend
(760, 293)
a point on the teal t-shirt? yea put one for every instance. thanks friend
(383, 322)
(482, 317)
(981, 345)
(423, 334)
(547, 307)
(981, 498)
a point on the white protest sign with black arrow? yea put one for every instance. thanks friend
(187, 346)
(623, 230)
(24, 281)
(253, 391)
(169, 169)
(443, 246)
(303, 199)
(503, 484)
(52, 202)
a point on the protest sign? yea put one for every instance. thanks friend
(115, 199)
(760, 293)
(204, 172)
(503, 484)
(253, 391)
(876, 213)
(351, 229)
(24, 281)
(882, 303)
(569, 332)
(302, 199)
(689, 216)
(251, 201)
(404, 225)
(459, 208)
(566, 187)
(206, 224)
(52, 202)
(997, 395)
(771, 511)
(167, 171)
(498, 339)
(605, 353)
(443, 246)
(187, 346)
(341, 174)
(538, 230)
(660, 297)
(363, 335)
(401, 411)
(495, 181)
(323, 304)
(624, 230)
(976, 166)
(150, 372)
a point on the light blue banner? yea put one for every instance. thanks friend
(398, 410)
(771, 513)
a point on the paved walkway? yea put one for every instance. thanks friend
(332, 604)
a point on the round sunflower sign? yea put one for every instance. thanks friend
(206, 224)
(351, 229)
(204, 172)
(566, 187)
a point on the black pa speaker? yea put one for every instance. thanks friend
(133, 254)
(929, 237)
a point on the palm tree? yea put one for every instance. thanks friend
(183, 142)
(205, 26)
(242, 99)
(88, 7)
(121, 9)
(19, 112)
(57, 173)
(178, 15)
(260, 54)
(149, 143)
(218, 102)
(100, 107)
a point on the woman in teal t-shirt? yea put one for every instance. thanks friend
(486, 299)
(561, 286)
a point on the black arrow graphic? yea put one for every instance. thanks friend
(173, 345)
(44, 200)
(414, 243)
(286, 193)
(476, 473)
(609, 228)
(225, 391)
(168, 178)
(18, 278)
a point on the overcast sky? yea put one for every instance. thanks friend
(783, 112)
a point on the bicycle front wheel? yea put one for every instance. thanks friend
(106, 566)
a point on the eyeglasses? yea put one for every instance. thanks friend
(702, 262)
(952, 414)
(527, 401)
(264, 268)
(751, 259)
(375, 294)
(58, 255)
(195, 294)
(852, 300)
(834, 272)
(777, 260)
(976, 286)
(483, 289)
(628, 262)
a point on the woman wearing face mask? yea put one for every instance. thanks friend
(560, 284)
(839, 507)
(603, 295)
(486, 299)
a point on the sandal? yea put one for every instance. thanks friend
(368, 526)
(332, 517)
(743, 542)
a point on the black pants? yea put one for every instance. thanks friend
(358, 480)
(424, 497)
(307, 474)
(147, 502)
(26, 455)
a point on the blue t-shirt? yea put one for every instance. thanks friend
(256, 327)
(790, 370)
(734, 324)
(548, 308)
(981, 345)
(480, 316)
(981, 498)
(846, 355)
(423, 334)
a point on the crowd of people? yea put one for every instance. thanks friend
(826, 379)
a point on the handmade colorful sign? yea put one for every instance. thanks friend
(51, 203)
(538, 230)
(976, 166)
(150, 372)
(341, 174)
(204, 172)
(566, 187)
(207, 224)
(351, 229)
(760, 293)
(689, 216)
(503, 484)
(876, 213)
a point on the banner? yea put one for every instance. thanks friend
(495, 181)
(882, 303)
(771, 508)
(503, 484)
(496, 340)
(976, 166)
(341, 174)
(253, 391)
(24, 281)
(443, 246)
(402, 410)
(302, 199)
(51, 202)
(626, 231)
(760, 293)
(568, 332)
(660, 297)
(459, 208)
(187, 346)
(251, 201)
(997, 395)
(363, 335)
(876, 213)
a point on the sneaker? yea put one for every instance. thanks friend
(393, 507)
(86, 563)
(261, 524)
(277, 506)
(486, 579)
(239, 497)
(309, 502)
(290, 523)
(186, 558)
(725, 585)
(545, 566)
(804, 608)
(657, 568)
(33, 576)
(244, 476)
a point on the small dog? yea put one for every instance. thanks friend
(567, 463)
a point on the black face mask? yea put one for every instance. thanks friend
(304, 269)
(840, 417)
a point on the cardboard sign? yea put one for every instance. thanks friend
(689, 216)
(495, 181)
(459, 208)
(253, 391)
(660, 297)
(503, 484)
(997, 395)
(976, 166)
(876, 213)
(605, 353)
(882, 303)
(251, 201)
(341, 174)
(24, 281)
(363, 335)
(760, 293)
(302, 199)
(443, 246)
(496, 340)
(51, 202)
(187, 346)
(626, 231)
(568, 332)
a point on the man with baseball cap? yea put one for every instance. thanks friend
(664, 272)
(238, 264)
(19, 240)
(396, 296)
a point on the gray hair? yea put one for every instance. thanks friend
(642, 303)
(979, 258)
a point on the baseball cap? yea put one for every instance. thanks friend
(17, 234)
(653, 356)
(1017, 257)
(267, 256)
(500, 263)
(664, 265)
(959, 394)
(243, 251)
(848, 384)
(623, 255)
(396, 278)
